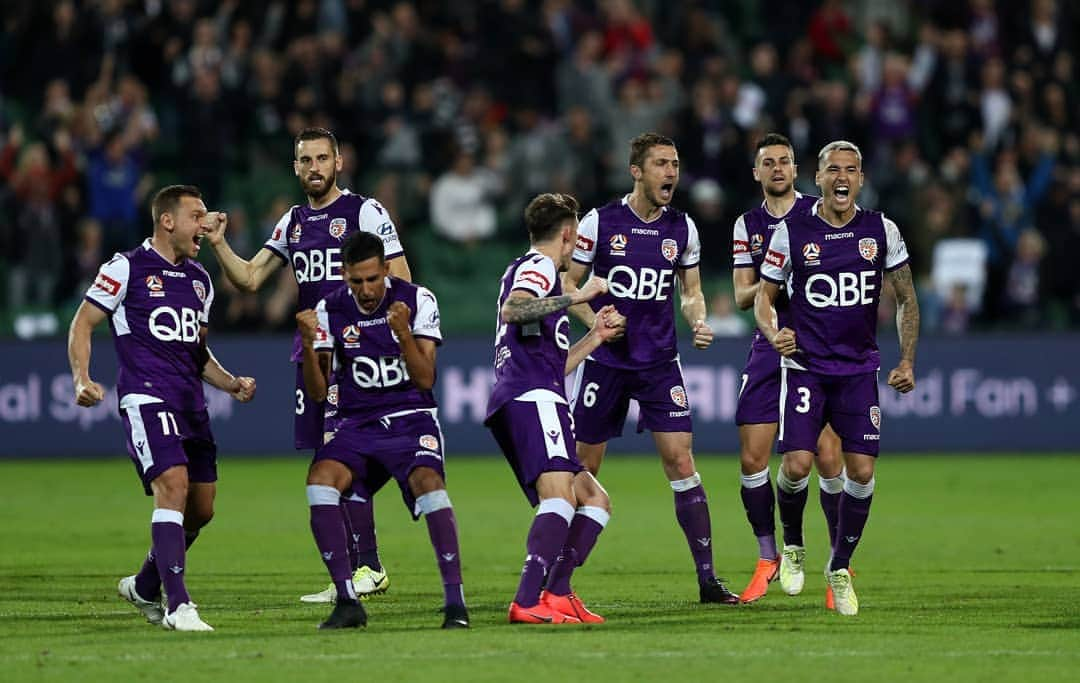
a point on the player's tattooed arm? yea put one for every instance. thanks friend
(570, 281)
(522, 307)
(902, 378)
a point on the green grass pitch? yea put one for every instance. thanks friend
(969, 570)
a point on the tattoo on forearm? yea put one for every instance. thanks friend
(907, 312)
(520, 310)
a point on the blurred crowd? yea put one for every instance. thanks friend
(454, 114)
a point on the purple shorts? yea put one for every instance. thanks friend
(308, 428)
(535, 437)
(848, 403)
(759, 394)
(390, 447)
(159, 438)
(602, 396)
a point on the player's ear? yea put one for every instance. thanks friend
(757, 176)
(339, 162)
(635, 171)
(296, 168)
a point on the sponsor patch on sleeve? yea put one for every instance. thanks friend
(535, 278)
(584, 243)
(774, 258)
(107, 284)
(741, 247)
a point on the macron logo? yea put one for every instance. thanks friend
(449, 557)
(328, 556)
(704, 542)
(176, 569)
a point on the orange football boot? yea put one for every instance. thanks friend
(572, 606)
(538, 614)
(765, 573)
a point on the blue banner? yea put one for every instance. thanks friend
(973, 394)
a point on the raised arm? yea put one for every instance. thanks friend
(570, 281)
(522, 307)
(783, 340)
(316, 364)
(87, 391)
(240, 388)
(246, 275)
(419, 354)
(399, 267)
(693, 305)
(902, 378)
(746, 284)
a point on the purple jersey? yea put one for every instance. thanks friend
(639, 260)
(372, 379)
(752, 233)
(833, 277)
(530, 356)
(310, 239)
(156, 311)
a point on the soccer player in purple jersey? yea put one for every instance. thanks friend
(832, 262)
(381, 332)
(758, 407)
(309, 238)
(641, 245)
(157, 299)
(529, 415)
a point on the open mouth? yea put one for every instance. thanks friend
(841, 192)
(315, 179)
(666, 190)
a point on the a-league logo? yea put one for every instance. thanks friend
(875, 417)
(756, 242)
(678, 395)
(669, 249)
(337, 228)
(812, 253)
(155, 285)
(429, 442)
(868, 249)
(350, 334)
(294, 236)
(618, 244)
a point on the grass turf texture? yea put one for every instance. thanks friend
(969, 570)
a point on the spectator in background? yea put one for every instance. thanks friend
(1024, 283)
(955, 313)
(461, 205)
(114, 173)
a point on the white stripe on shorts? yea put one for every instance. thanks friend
(138, 437)
(783, 400)
(550, 424)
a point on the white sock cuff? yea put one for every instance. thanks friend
(753, 481)
(433, 501)
(791, 486)
(163, 516)
(556, 506)
(318, 494)
(356, 499)
(857, 490)
(833, 485)
(680, 485)
(598, 515)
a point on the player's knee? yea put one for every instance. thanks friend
(860, 473)
(324, 473)
(797, 465)
(754, 460)
(171, 488)
(594, 499)
(680, 464)
(425, 480)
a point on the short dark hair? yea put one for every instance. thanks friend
(360, 246)
(316, 133)
(168, 198)
(546, 212)
(639, 146)
(773, 139)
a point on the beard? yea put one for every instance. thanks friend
(778, 193)
(329, 181)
